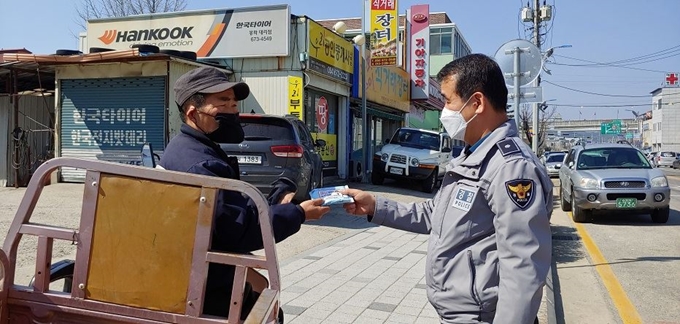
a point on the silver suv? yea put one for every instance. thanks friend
(614, 178)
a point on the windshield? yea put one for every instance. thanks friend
(416, 138)
(555, 158)
(612, 158)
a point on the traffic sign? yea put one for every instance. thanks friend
(613, 127)
(530, 61)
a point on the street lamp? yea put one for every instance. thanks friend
(547, 54)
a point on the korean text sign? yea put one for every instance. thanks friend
(419, 50)
(329, 48)
(384, 32)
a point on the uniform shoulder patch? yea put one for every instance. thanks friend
(521, 192)
(508, 146)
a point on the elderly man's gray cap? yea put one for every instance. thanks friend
(207, 80)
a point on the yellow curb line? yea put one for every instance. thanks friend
(624, 306)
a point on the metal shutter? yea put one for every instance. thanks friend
(110, 119)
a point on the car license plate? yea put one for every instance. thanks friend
(626, 202)
(249, 159)
(394, 170)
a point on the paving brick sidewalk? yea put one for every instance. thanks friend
(374, 276)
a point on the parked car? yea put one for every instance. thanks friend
(676, 163)
(278, 146)
(553, 163)
(414, 155)
(651, 158)
(665, 159)
(612, 178)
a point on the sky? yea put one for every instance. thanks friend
(644, 33)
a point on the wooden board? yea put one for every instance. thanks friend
(142, 243)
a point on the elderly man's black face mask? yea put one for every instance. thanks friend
(229, 129)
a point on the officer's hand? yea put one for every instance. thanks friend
(364, 203)
(313, 209)
(287, 198)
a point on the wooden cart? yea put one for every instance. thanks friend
(142, 251)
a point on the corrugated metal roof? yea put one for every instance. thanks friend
(27, 65)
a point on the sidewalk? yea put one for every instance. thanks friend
(373, 275)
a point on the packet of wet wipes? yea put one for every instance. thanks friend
(331, 195)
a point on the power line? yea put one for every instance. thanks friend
(601, 106)
(595, 93)
(643, 57)
(599, 64)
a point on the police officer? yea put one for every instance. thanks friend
(208, 105)
(490, 243)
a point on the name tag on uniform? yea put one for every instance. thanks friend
(464, 199)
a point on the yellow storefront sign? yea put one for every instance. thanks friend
(327, 47)
(389, 86)
(295, 96)
(330, 151)
(384, 30)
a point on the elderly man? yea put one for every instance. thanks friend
(208, 105)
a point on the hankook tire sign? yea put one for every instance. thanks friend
(222, 33)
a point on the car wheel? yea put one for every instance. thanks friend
(661, 215)
(577, 213)
(377, 178)
(564, 204)
(430, 182)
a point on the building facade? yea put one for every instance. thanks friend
(666, 119)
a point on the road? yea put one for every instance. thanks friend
(624, 265)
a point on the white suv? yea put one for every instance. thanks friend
(414, 154)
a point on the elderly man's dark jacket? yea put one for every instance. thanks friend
(236, 226)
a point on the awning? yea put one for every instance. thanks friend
(377, 110)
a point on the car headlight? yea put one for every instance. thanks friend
(659, 182)
(415, 162)
(588, 183)
(384, 157)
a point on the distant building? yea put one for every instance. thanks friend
(666, 119)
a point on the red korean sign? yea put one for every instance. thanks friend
(322, 114)
(419, 50)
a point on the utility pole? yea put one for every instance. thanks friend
(537, 82)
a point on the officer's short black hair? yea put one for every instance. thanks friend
(197, 100)
(477, 72)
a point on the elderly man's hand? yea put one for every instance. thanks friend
(287, 198)
(313, 209)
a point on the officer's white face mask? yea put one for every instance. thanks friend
(454, 123)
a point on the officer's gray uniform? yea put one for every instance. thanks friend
(490, 243)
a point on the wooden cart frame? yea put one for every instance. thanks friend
(123, 274)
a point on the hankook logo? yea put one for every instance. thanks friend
(175, 33)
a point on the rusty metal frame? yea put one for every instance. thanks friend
(75, 303)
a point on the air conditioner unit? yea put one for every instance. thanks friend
(356, 170)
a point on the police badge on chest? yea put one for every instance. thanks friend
(464, 198)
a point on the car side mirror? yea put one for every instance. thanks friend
(571, 165)
(387, 141)
(446, 150)
(320, 143)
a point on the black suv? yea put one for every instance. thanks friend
(274, 147)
